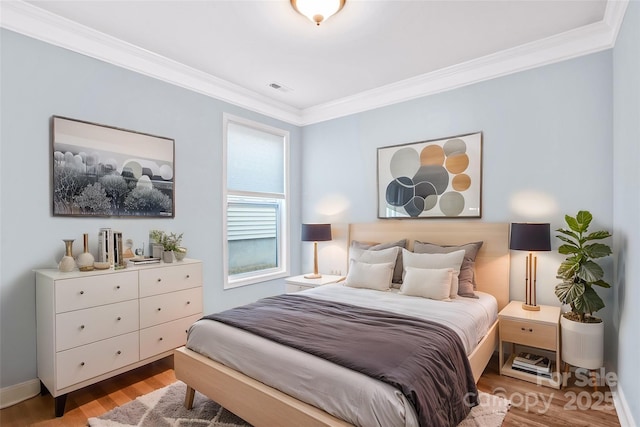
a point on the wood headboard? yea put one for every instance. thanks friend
(492, 261)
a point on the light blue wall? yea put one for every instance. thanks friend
(548, 138)
(39, 80)
(547, 151)
(626, 204)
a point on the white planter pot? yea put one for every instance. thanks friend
(582, 343)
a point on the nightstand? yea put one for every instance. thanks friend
(300, 283)
(534, 329)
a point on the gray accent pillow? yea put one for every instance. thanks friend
(466, 278)
(397, 271)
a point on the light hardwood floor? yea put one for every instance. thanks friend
(532, 405)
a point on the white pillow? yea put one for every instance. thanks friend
(433, 283)
(451, 260)
(374, 256)
(370, 276)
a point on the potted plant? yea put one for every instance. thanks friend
(170, 243)
(582, 333)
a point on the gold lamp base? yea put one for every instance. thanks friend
(526, 306)
(313, 276)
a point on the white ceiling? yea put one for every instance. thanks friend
(371, 53)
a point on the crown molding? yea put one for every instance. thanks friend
(580, 41)
(40, 24)
(34, 22)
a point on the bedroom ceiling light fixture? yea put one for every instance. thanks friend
(530, 237)
(315, 233)
(317, 11)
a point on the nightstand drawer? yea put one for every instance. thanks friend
(296, 288)
(528, 333)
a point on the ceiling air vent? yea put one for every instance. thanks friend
(280, 87)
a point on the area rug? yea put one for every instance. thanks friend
(164, 407)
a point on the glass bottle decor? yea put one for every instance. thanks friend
(85, 260)
(67, 263)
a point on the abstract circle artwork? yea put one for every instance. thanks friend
(437, 178)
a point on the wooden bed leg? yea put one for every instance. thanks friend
(188, 398)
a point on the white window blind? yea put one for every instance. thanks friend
(256, 220)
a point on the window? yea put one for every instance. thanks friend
(255, 225)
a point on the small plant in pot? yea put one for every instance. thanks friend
(170, 243)
(582, 333)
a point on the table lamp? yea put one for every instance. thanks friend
(530, 237)
(315, 233)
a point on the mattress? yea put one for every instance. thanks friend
(351, 396)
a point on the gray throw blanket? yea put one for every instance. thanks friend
(426, 361)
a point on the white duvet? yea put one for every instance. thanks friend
(351, 396)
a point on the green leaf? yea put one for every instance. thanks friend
(597, 235)
(597, 250)
(588, 302)
(601, 283)
(568, 249)
(584, 219)
(590, 272)
(572, 223)
(568, 233)
(568, 268)
(568, 292)
(566, 239)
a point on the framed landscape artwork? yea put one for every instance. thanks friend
(431, 179)
(100, 170)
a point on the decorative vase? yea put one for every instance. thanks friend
(67, 263)
(167, 256)
(180, 253)
(85, 260)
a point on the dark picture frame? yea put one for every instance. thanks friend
(104, 171)
(440, 178)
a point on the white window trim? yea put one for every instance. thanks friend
(284, 250)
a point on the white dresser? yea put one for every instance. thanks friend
(97, 324)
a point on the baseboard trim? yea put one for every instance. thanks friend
(19, 392)
(622, 407)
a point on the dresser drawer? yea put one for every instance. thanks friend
(169, 279)
(76, 328)
(528, 333)
(82, 363)
(166, 307)
(165, 337)
(91, 291)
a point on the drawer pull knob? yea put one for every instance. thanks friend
(525, 329)
(160, 339)
(81, 326)
(81, 363)
(119, 318)
(118, 287)
(81, 292)
(159, 279)
(188, 276)
(118, 352)
(159, 309)
(188, 302)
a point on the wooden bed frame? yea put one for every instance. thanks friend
(262, 405)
